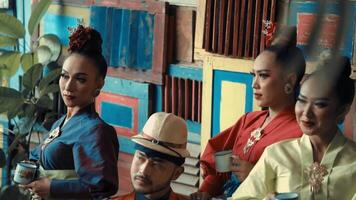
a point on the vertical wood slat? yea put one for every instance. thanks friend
(273, 9)
(182, 97)
(264, 18)
(242, 29)
(249, 28)
(194, 101)
(181, 103)
(215, 26)
(186, 99)
(200, 92)
(208, 25)
(236, 35)
(174, 93)
(222, 25)
(257, 29)
(229, 27)
(166, 94)
(237, 26)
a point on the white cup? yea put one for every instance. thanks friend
(223, 161)
(25, 172)
(287, 196)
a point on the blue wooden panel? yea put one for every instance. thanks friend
(181, 71)
(193, 126)
(126, 145)
(131, 89)
(100, 20)
(130, 41)
(116, 27)
(220, 76)
(108, 113)
(157, 103)
(297, 7)
(58, 25)
(194, 131)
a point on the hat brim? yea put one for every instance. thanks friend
(139, 139)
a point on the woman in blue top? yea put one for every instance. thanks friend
(79, 158)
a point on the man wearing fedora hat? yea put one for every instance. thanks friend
(161, 150)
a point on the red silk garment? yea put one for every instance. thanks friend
(283, 126)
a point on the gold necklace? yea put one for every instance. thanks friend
(254, 137)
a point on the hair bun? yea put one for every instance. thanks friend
(286, 36)
(85, 39)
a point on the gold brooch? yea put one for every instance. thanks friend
(315, 173)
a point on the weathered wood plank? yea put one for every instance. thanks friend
(229, 28)
(215, 33)
(235, 42)
(257, 29)
(222, 25)
(249, 28)
(241, 43)
(188, 179)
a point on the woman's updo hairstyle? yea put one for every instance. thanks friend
(288, 56)
(86, 41)
(334, 73)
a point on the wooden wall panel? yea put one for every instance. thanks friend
(182, 92)
(136, 37)
(184, 34)
(219, 72)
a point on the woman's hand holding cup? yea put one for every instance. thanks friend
(240, 167)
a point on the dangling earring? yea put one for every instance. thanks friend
(288, 89)
(96, 93)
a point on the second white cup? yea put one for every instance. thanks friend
(223, 161)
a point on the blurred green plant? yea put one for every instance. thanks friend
(30, 107)
(45, 50)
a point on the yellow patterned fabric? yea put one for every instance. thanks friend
(58, 174)
(281, 168)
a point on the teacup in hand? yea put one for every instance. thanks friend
(223, 161)
(25, 172)
(286, 196)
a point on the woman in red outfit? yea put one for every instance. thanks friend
(277, 72)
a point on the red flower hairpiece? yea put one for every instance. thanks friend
(269, 29)
(79, 37)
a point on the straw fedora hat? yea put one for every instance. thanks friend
(165, 133)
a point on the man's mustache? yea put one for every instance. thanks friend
(143, 178)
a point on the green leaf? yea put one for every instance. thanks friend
(2, 158)
(53, 43)
(44, 54)
(45, 102)
(26, 124)
(37, 14)
(28, 59)
(32, 76)
(11, 26)
(15, 111)
(7, 41)
(52, 76)
(10, 62)
(30, 110)
(50, 89)
(10, 99)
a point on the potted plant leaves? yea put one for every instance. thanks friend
(30, 107)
